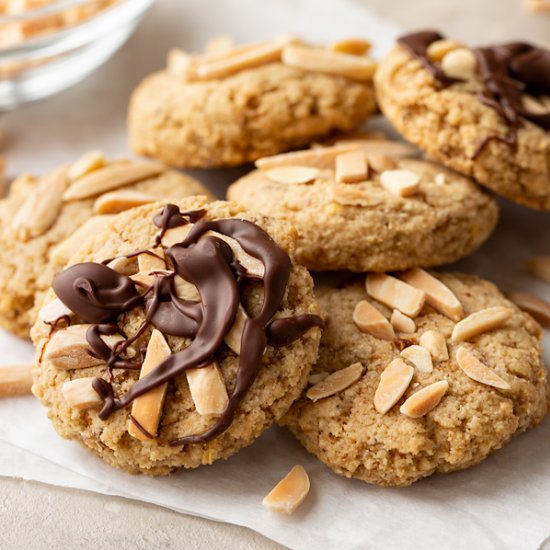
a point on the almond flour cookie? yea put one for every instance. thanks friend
(183, 332)
(360, 210)
(230, 107)
(484, 112)
(44, 220)
(414, 380)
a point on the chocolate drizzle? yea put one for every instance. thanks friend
(98, 295)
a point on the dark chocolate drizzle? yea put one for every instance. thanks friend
(207, 262)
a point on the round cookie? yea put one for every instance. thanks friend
(235, 361)
(366, 226)
(44, 220)
(240, 111)
(472, 419)
(483, 112)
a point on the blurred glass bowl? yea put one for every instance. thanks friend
(49, 48)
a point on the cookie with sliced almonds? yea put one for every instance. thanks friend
(366, 206)
(43, 222)
(178, 335)
(419, 403)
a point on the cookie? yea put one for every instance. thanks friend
(230, 108)
(357, 209)
(44, 220)
(420, 395)
(484, 112)
(199, 302)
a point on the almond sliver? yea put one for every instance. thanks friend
(352, 46)
(402, 183)
(87, 163)
(336, 382)
(480, 322)
(435, 343)
(423, 401)
(80, 394)
(351, 167)
(207, 389)
(15, 380)
(119, 201)
(420, 357)
(289, 493)
(477, 371)
(395, 293)
(369, 319)
(394, 381)
(402, 323)
(292, 175)
(234, 335)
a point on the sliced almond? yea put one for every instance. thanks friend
(207, 389)
(395, 293)
(532, 304)
(440, 48)
(438, 295)
(419, 404)
(420, 357)
(402, 323)
(394, 381)
(324, 61)
(63, 252)
(480, 322)
(220, 44)
(179, 63)
(39, 212)
(402, 183)
(119, 201)
(233, 337)
(93, 160)
(124, 265)
(539, 267)
(351, 167)
(435, 343)
(80, 394)
(352, 46)
(380, 162)
(459, 63)
(152, 261)
(147, 408)
(477, 371)
(336, 382)
(53, 311)
(289, 493)
(15, 380)
(369, 319)
(350, 195)
(176, 235)
(292, 175)
(186, 290)
(109, 178)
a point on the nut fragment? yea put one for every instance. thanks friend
(380, 162)
(85, 164)
(335, 382)
(402, 323)
(253, 265)
(423, 401)
(220, 44)
(438, 295)
(440, 48)
(53, 311)
(351, 167)
(179, 63)
(539, 267)
(477, 371)
(15, 380)
(147, 408)
(480, 322)
(369, 319)
(118, 201)
(124, 265)
(176, 235)
(534, 305)
(395, 293)
(352, 46)
(350, 195)
(292, 175)
(207, 389)
(111, 177)
(459, 63)
(436, 344)
(152, 260)
(289, 493)
(394, 381)
(402, 183)
(234, 335)
(80, 394)
(420, 357)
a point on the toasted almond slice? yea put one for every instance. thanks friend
(180, 63)
(147, 408)
(369, 319)
(352, 46)
(420, 357)
(109, 178)
(87, 163)
(380, 162)
(459, 63)
(480, 322)
(435, 343)
(252, 265)
(402, 323)
(186, 290)
(53, 311)
(532, 304)
(153, 261)
(350, 195)
(539, 267)
(419, 404)
(324, 61)
(39, 212)
(394, 381)
(336, 382)
(351, 167)
(395, 293)
(176, 235)
(289, 493)
(207, 389)
(293, 175)
(477, 371)
(220, 44)
(440, 48)
(118, 201)
(124, 265)
(15, 380)
(80, 394)
(233, 337)
(438, 295)
(62, 253)
(317, 377)
(402, 183)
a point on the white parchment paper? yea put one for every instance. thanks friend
(503, 503)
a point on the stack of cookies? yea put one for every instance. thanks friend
(172, 329)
